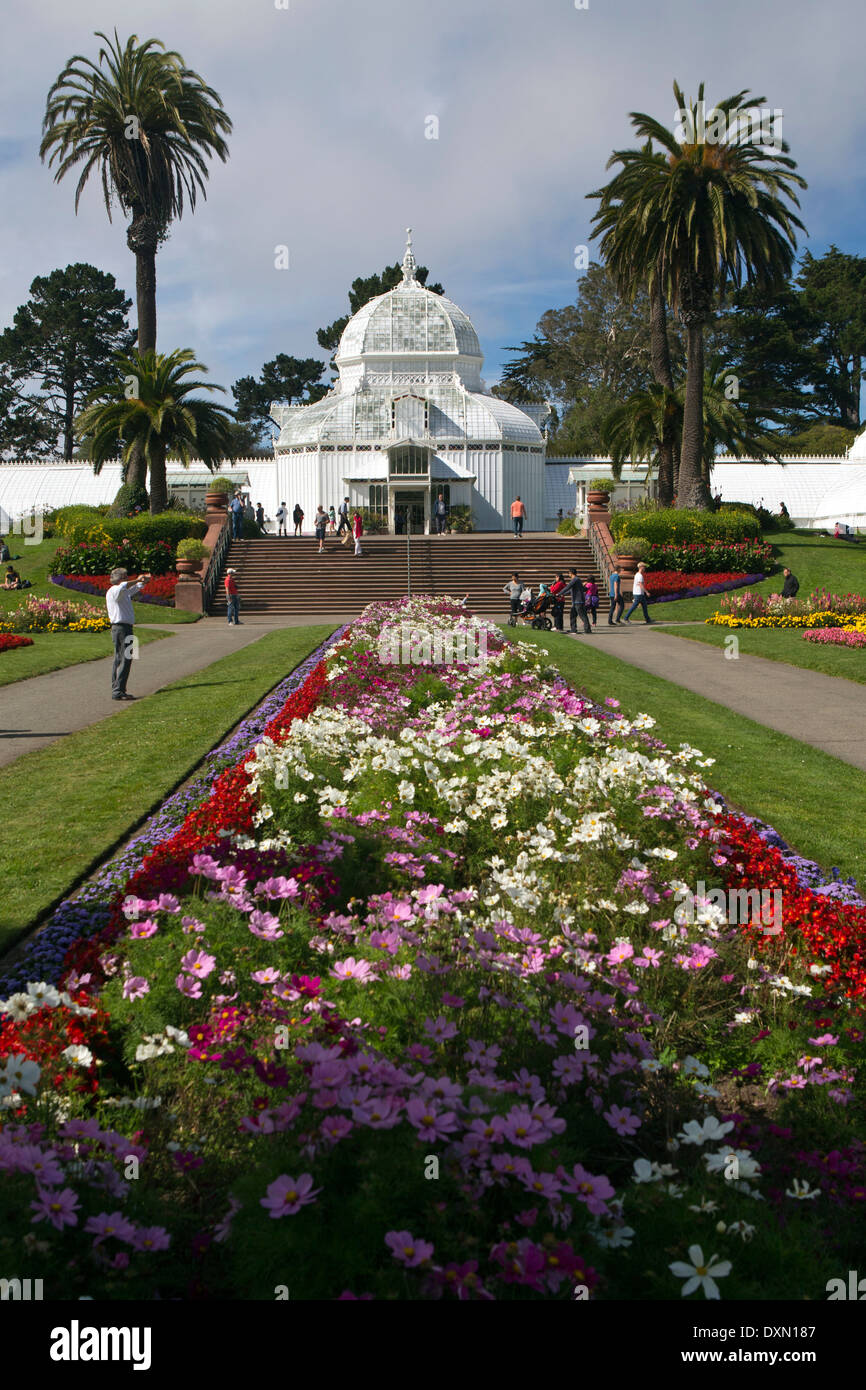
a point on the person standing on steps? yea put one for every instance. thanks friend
(440, 512)
(233, 602)
(617, 602)
(575, 591)
(638, 594)
(557, 593)
(344, 517)
(260, 517)
(518, 516)
(357, 531)
(320, 521)
(237, 508)
(282, 515)
(590, 588)
(118, 601)
(332, 519)
(298, 519)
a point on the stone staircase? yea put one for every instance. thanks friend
(287, 575)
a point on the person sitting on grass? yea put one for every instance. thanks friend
(13, 579)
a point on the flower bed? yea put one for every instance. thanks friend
(820, 609)
(713, 557)
(837, 636)
(9, 641)
(54, 615)
(795, 620)
(99, 557)
(665, 586)
(437, 928)
(158, 590)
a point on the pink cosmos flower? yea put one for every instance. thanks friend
(143, 929)
(622, 1120)
(268, 976)
(649, 958)
(136, 987)
(440, 1028)
(188, 985)
(428, 1121)
(351, 969)
(281, 887)
(825, 1040)
(198, 963)
(594, 1191)
(287, 1195)
(113, 1224)
(523, 1128)
(621, 952)
(57, 1207)
(151, 1238)
(265, 925)
(407, 1250)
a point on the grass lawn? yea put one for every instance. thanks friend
(34, 563)
(51, 651)
(66, 807)
(817, 802)
(819, 562)
(782, 644)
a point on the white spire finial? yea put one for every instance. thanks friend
(409, 262)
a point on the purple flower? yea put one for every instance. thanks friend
(287, 1195)
(136, 987)
(407, 1250)
(57, 1207)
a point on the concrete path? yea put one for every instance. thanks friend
(827, 712)
(36, 712)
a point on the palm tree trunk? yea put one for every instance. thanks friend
(690, 490)
(158, 487)
(660, 357)
(142, 238)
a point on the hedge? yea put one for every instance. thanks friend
(80, 523)
(670, 524)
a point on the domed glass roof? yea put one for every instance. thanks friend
(409, 320)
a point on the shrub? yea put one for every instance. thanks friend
(601, 485)
(102, 556)
(92, 523)
(374, 524)
(568, 526)
(460, 519)
(636, 546)
(669, 524)
(191, 549)
(221, 484)
(711, 557)
(130, 497)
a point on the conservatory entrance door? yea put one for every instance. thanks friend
(411, 504)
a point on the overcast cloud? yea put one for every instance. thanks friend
(330, 100)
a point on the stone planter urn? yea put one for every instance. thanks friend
(627, 567)
(187, 568)
(598, 501)
(216, 501)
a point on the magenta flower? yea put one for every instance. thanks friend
(287, 1195)
(151, 1238)
(523, 1128)
(136, 987)
(198, 963)
(146, 928)
(622, 1120)
(265, 925)
(189, 985)
(440, 1028)
(113, 1224)
(429, 1122)
(57, 1207)
(594, 1191)
(408, 1251)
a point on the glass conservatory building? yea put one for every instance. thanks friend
(409, 418)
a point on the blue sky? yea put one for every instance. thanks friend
(330, 101)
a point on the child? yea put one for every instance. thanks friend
(590, 589)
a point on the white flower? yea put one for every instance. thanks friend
(614, 1237)
(299, 797)
(44, 995)
(705, 1207)
(406, 791)
(708, 1092)
(644, 1171)
(79, 1056)
(700, 1274)
(744, 1166)
(20, 1074)
(18, 1007)
(801, 1190)
(742, 1229)
(180, 1037)
(692, 1067)
(651, 1064)
(702, 1132)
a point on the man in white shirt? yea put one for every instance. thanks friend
(282, 518)
(118, 601)
(638, 594)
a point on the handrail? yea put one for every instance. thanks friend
(217, 555)
(601, 543)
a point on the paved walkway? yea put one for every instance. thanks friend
(826, 712)
(36, 712)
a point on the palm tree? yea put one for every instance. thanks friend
(695, 216)
(158, 418)
(147, 124)
(640, 430)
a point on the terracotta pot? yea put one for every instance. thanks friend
(627, 566)
(216, 501)
(187, 567)
(598, 501)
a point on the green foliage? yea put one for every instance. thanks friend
(64, 340)
(568, 527)
(601, 485)
(671, 524)
(460, 519)
(192, 549)
(634, 545)
(284, 381)
(220, 484)
(374, 523)
(129, 498)
(81, 523)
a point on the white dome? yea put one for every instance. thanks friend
(857, 452)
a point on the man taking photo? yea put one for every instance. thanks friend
(118, 601)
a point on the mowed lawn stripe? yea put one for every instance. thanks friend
(65, 808)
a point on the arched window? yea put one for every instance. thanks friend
(408, 461)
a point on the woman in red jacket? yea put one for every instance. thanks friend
(357, 531)
(556, 589)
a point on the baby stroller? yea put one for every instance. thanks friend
(534, 610)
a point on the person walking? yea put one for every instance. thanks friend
(518, 516)
(344, 517)
(514, 590)
(357, 531)
(638, 594)
(332, 519)
(617, 602)
(118, 601)
(320, 522)
(298, 519)
(282, 515)
(576, 591)
(260, 517)
(440, 512)
(791, 584)
(590, 589)
(233, 602)
(237, 508)
(557, 593)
